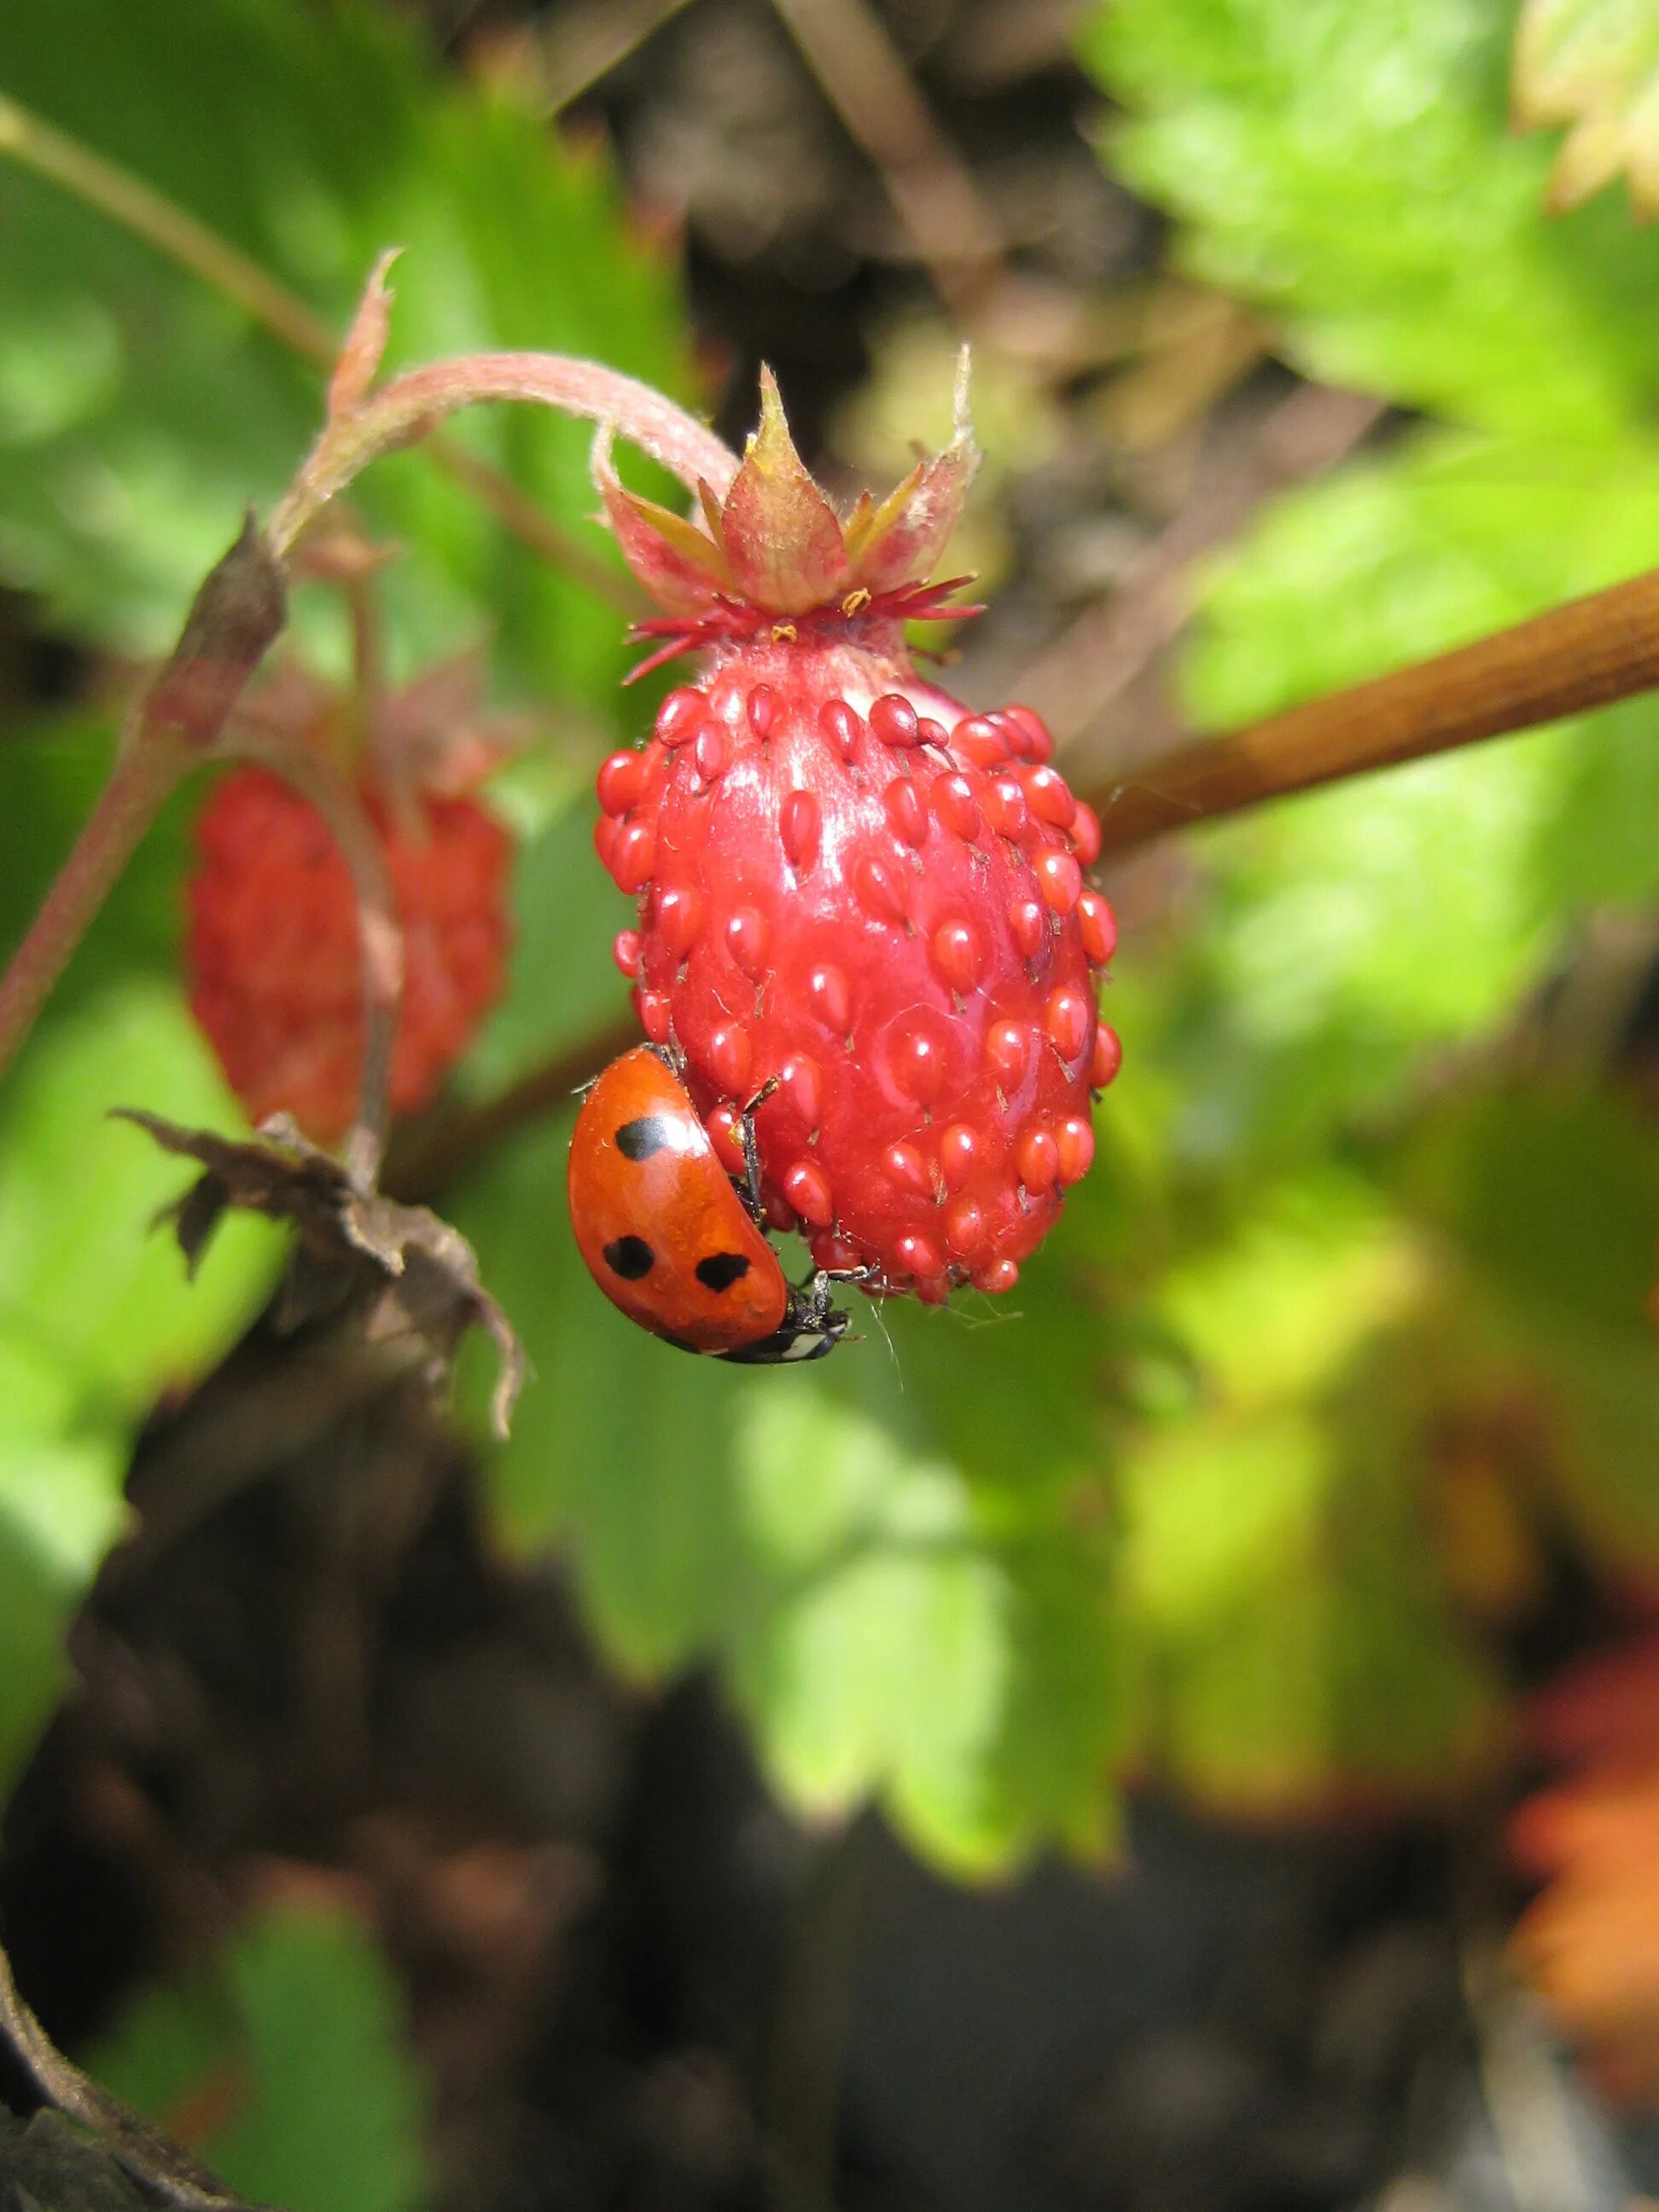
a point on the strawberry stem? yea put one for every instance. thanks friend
(239, 610)
(1589, 652)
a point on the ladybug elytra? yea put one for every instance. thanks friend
(670, 1238)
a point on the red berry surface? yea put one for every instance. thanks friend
(859, 904)
(276, 976)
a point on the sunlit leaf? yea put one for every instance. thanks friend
(1350, 170)
(1592, 64)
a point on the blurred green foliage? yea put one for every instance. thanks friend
(1179, 1510)
(283, 2067)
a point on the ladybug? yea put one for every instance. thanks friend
(671, 1238)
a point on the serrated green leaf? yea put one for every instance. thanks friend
(293, 2055)
(898, 1616)
(1592, 64)
(1293, 1647)
(144, 412)
(1350, 170)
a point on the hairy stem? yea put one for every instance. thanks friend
(411, 405)
(1590, 653)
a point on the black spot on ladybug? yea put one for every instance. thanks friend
(631, 1258)
(646, 1133)
(721, 1269)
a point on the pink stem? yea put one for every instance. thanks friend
(413, 403)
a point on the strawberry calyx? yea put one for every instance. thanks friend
(774, 551)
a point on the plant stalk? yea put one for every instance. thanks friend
(1589, 652)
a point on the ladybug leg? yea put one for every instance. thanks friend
(752, 1168)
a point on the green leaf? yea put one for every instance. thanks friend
(285, 2070)
(1592, 64)
(1292, 1647)
(1350, 169)
(1554, 1198)
(60, 1509)
(84, 1283)
(139, 413)
(887, 1557)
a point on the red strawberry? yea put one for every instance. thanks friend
(853, 888)
(273, 954)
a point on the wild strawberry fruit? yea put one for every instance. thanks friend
(273, 950)
(858, 902)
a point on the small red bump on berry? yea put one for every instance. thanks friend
(958, 955)
(903, 1165)
(729, 700)
(842, 726)
(876, 890)
(979, 740)
(626, 952)
(933, 1292)
(1099, 928)
(920, 1257)
(1075, 1140)
(800, 825)
(762, 709)
(680, 715)
(725, 1134)
(605, 839)
(1032, 741)
(1085, 834)
(919, 1063)
(959, 1149)
(964, 1226)
(1004, 802)
(1050, 797)
(655, 1013)
(1107, 1057)
(633, 857)
(835, 1255)
(929, 732)
(749, 940)
(1038, 1157)
(807, 1190)
(731, 1057)
(1029, 920)
(779, 1214)
(711, 751)
(679, 918)
(1000, 1275)
(1008, 1053)
(955, 805)
(1067, 1018)
(1060, 880)
(831, 1000)
(906, 811)
(893, 718)
(802, 1086)
(620, 781)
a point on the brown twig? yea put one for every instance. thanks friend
(1590, 653)
(138, 208)
(580, 46)
(427, 1159)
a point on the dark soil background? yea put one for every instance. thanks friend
(636, 1983)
